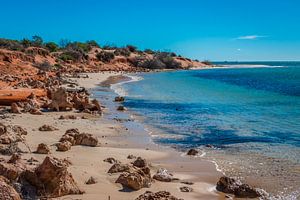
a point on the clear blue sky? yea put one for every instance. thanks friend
(202, 29)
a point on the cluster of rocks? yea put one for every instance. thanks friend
(74, 137)
(239, 189)
(137, 175)
(11, 134)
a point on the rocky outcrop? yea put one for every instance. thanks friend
(161, 195)
(11, 134)
(42, 149)
(47, 128)
(52, 179)
(15, 108)
(163, 175)
(13, 168)
(140, 162)
(60, 100)
(76, 138)
(136, 179)
(118, 167)
(63, 146)
(240, 190)
(7, 192)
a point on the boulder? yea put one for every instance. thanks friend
(119, 99)
(60, 100)
(67, 117)
(192, 152)
(42, 149)
(131, 156)
(140, 162)
(13, 168)
(121, 108)
(163, 175)
(7, 192)
(76, 138)
(161, 195)
(63, 146)
(3, 129)
(52, 179)
(47, 128)
(118, 167)
(15, 108)
(136, 179)
(86, 139)
(186, 189)
(240, 190)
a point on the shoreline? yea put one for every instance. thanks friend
(115, 142)
(253, 181)
(188, 167)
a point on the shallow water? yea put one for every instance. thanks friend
(250, 114)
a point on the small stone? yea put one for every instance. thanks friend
(186, 189)
(192, 152)
(91, 180)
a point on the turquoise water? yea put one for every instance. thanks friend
(253, 109)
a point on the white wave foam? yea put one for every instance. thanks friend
(248, 66)
(119, 89)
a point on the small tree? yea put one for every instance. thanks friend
(52, 46)
(37, 41)
(131, 48)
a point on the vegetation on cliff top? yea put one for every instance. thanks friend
(67, 51)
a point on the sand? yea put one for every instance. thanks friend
(88, 161)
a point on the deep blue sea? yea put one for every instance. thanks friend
(245, 109)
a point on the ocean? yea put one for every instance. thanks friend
(245, 117)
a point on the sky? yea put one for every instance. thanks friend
(216, 30)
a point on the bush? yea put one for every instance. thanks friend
(131, 48)
(79, 46)
(109, 47)
(160, 61)
(92, 43)
(26, 43)
(52, 46)
(122, 52)
(71, 55)
(13, 45)
(37, 41)
(105, 56)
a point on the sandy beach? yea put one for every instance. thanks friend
(88, 161)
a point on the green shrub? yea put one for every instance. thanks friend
(161, 60)
(92, 43)
(52, 46)
(37, 41)
(122, 52)
(131, 48)
(13, 45)
(71, 55)
(105, 56)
